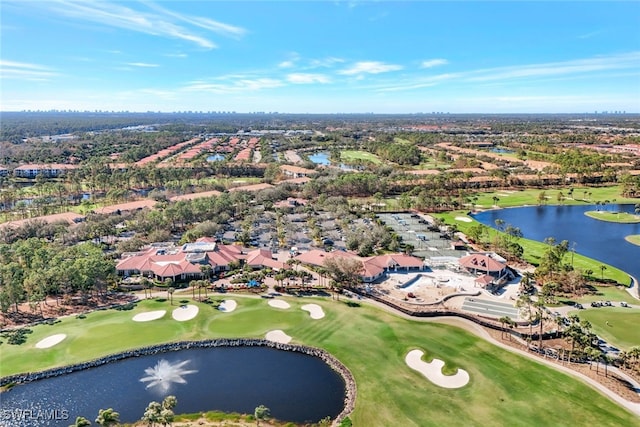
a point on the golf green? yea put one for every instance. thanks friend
(505, 389)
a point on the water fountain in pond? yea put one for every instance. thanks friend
(165, 373)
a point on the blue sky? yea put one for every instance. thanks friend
(321, 56)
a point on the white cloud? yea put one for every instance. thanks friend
(567, 70)
(234, 86)
(161, 22)
(433, 63)
(369, 67)
(142, 64)
(325, 62)
(418, 83)
(202, 22)
(307, 78)
(286, 64)
(572, 67)
(25, 71)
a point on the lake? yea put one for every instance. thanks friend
(320, 158)
(296, 387)
(596, 239)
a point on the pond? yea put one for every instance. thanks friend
(603, 241)
(215, 158)
(320, 158)
(296, 387)
(501, 150)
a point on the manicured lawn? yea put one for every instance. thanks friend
(533, 250)
(505, 389)
(621, 217)
(608, 293)
(351, 155)
(623, 330)
(530, 197)
(635, 239)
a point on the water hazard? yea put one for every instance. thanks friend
(296, 387)
(603, 241)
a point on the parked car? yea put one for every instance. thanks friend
(608, 304)
(579, 306)
(596, 304)
(623, 304)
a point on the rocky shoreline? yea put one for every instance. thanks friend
(335, 364)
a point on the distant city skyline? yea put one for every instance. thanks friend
(320, 57)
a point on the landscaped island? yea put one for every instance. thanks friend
(621, 217)
(635, 239)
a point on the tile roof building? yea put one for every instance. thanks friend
(186, 262)
(373, 267)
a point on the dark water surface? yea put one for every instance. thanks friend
(296, 387)
(596, 239)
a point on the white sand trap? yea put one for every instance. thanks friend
(185, 312)
(278, 336)
(51, 341)
(278, 303)
(149, 316)
(433, 371)
(463, 219)
(228, 305)
(314, 310)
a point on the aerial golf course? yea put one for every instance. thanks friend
(505, 388)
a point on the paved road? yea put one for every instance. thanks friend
(490, 308)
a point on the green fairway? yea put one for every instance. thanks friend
(580, 196)
(634, 239)
(352, 155)
(505, 389)
(533, 250)
(621, 217)
(622, 331)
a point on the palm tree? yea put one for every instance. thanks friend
(602, 269)
(108, 418)
(193, 284)
(145, 285)
(526, 301)
(540, 316)
(261, 413)
(503, 320)
(81, 422)
(170, 292)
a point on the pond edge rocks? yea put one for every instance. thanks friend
(325, 356)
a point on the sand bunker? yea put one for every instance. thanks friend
(433, 371)
(463, 219)
(278, 303)
(314, 310)
(185, 312)
(149, 316)
(278, 336)
(228, 305)
(51, 341)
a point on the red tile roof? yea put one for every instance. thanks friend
(481, 262)
(264, 258)
(124, 207)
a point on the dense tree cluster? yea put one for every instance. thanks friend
(402, 153)
(32, 269)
